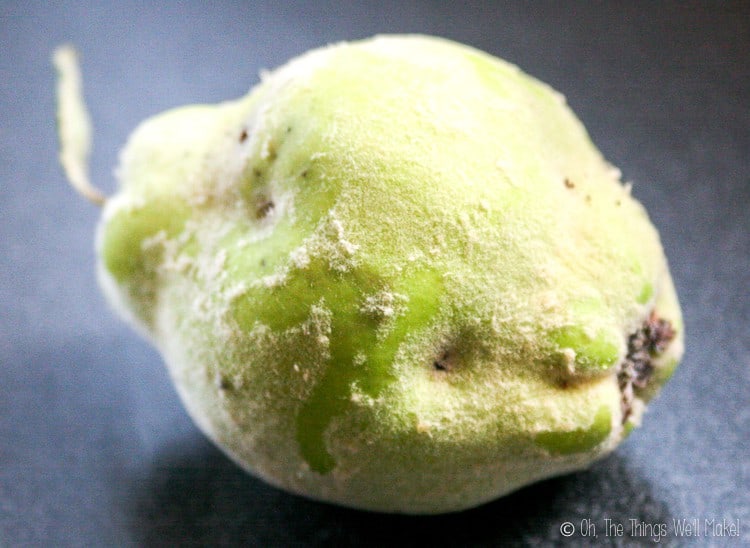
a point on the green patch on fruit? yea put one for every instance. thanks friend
(354, 332)
(122, 248)
(580, 440)
(592, 353)
(647, 291)
(132, 248)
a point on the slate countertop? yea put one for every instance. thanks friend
(96, 450)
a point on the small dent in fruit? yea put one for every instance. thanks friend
(445, 361)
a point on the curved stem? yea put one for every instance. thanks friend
(73, 124)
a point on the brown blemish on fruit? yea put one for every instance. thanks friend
(264, 207)
(443, 362)
(564, 383)
(636, 369)
(223, 383)
(243, 136)
(272, 152)
(569, 183)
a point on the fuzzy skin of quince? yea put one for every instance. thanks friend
(397, 275)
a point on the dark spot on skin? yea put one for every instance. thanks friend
(262, 262)
(569, 183)
(257, 172)
(304, 174)
(272, 153)
(223, 383)
(636, 369)
(618, 203)
(588, 198)
(243, 136)
(263, 208)
(442, 363)
(289, 129)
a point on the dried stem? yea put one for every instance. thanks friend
(73, 124)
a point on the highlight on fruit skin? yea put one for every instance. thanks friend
(397, 276)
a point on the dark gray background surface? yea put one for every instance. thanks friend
(95, 448)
